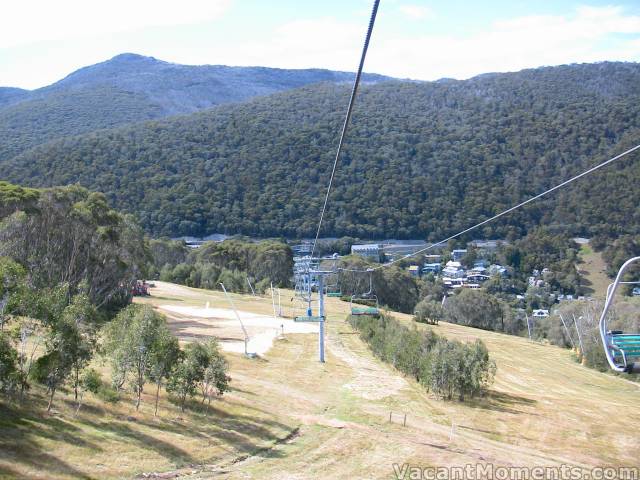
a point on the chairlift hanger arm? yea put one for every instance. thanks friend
(618, 344)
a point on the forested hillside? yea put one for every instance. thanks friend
(422, 159)
(10, 95)
(130, 88)
(32, 122)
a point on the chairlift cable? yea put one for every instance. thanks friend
(356, 83)
(504, 212)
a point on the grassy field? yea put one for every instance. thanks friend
(593, 269)
(289, 416)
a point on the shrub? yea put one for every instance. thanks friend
(108, 394)
(447, 368)
(10, 376)
(263, 286)
(475, 308)
(428, 311)
(91, 381)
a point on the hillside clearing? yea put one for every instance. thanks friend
(593, 269)
(290, 416)
(544, 409)
(189, 322)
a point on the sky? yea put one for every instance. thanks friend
(42, 41)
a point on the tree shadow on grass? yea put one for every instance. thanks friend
(20, 431)
(235, 389)
(502, 402)
(171, 299)
(7, 472)
(246, 434)
(216, 417)
(586, 284)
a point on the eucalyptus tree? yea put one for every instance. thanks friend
(165, 352)
(215, 380)
(130, 341)
(68, 350)
(71, 236)
(189, 372)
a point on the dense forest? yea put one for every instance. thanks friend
(241, 265)
(131, 88)
(422, 159)
(67, 266)
(70, 238)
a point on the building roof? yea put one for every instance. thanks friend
(364, 247)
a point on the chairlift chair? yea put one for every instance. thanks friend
(369, 297)
(307, 316)
(622, 349)
(333, 290)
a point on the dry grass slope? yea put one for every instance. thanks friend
(291, 417)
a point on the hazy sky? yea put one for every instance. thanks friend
(41, 41)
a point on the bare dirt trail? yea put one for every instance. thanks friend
(199, 319)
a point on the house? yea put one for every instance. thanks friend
(452, 282)
(540, 313)
(414, 270)
(498, 269)
(635, 292)
(431, 268)
(456, 255)
(482, 263)
(477, 277)
(453, 270)
(369, 250)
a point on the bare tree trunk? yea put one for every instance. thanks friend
(79, 405)
(75, 384)
(53, 391)
(155, 414)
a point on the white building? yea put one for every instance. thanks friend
(453, 270)
(457, 255)
(368, 250)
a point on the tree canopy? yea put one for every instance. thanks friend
(422, 160)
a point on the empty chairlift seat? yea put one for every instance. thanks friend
(365, 305)
(625, 346)
(622, 349)
(309, 318)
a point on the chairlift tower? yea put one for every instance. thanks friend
(321, 317)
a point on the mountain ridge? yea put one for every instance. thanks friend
(83, 101)
(421, 160)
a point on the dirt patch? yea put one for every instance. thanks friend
(372, 381)
(194, 323)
